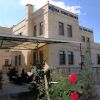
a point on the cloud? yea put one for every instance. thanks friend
(40, 3)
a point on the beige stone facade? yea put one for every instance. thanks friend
(49, 17)
(5, 55)
(5, 30)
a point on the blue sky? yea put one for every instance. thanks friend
(13, 11)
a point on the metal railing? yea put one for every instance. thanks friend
(77, 70)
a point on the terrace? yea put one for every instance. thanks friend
(27, 43)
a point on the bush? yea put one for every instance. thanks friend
(64, 89)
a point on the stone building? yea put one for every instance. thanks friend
(56, 23)
(5, 55)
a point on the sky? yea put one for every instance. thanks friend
(13, 11)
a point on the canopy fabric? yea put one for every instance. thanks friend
(11, 41)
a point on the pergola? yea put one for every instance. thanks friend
(17, 42)
(11, 41)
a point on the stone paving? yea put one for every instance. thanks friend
(9, 88)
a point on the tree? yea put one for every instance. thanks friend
(38, 81)
(88, 78)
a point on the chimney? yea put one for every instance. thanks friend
(29, 11)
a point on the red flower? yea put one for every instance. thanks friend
(72, 78)
(74, 96)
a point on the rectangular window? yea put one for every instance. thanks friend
(98, 59)
(70, 58)
(41, 28)
(6, 61)
(35, 31)
(88, 39)
(15, 60)
(62, 57)
(83, 38)
(34, 58)
(61, 28)
(69, 30)
(19, 59)
(41, 57)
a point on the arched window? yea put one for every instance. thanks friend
(41, 28)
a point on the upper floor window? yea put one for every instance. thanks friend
(98, 58)
(41, 28)
(70, 58)
(62, 57)
(35, 30)
(83, 38)
(69, 30)
(88, 39)
(61, 28)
